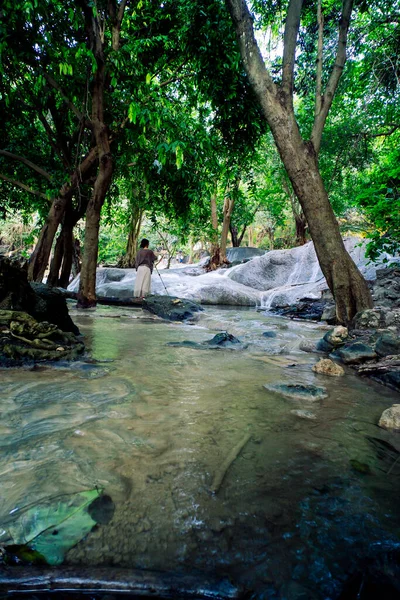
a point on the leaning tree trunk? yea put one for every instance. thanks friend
(346, 283)
(39, 260)
(63, 252)
(40, 257)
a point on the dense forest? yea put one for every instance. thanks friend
(199, 124)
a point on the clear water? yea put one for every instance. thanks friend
(153, 425)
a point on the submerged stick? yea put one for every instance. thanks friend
(121, 581)
(232, 456)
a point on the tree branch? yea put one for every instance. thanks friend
(393, 127)
(23, 186)
(56, 148)
(250, 52)
(28, 163)
(340, 59)
(59, 89)
(289, 44)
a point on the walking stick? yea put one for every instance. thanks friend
(162, 281)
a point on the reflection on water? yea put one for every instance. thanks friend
(304, 500)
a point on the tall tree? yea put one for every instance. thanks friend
(300, 156)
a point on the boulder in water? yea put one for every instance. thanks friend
(355, 353)
(333, 339)
(41, 301)
(23, 339)
(325, 366)
(269, 334)
(220, 340)
(387, 344)
(298, 391)
(171, 308)
(390, 418)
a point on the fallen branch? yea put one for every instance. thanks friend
(116, 580)
(232, 456)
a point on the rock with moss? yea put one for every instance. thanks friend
(390, 418)
(326, 366)
(23, 339)
(171, 308)
(41, 301)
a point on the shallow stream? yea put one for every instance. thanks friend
(301, 505)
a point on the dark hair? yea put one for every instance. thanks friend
(144, 243)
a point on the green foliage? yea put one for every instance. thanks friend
(52, 527)
(380, 199)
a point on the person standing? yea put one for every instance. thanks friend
(144, 263)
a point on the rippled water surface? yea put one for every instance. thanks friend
(303, 500)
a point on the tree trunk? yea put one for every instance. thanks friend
(250, 237)
(215, 260)
(229, 204)
(87, 283)
(301, 226)
(76, 257)
(57, 259)
(40, 257)
(271, 237)
(346, 283)
(234, 236)
(68, 257)
(128, 260)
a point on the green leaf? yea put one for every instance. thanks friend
(148, 78)
(54, 526)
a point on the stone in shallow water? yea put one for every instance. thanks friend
(353, 354)
(269, 334)
(171, 308)
(220, 340)
(325, 366)
(307, 346)
(387, 344)
(298, 391)
(390, 418)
